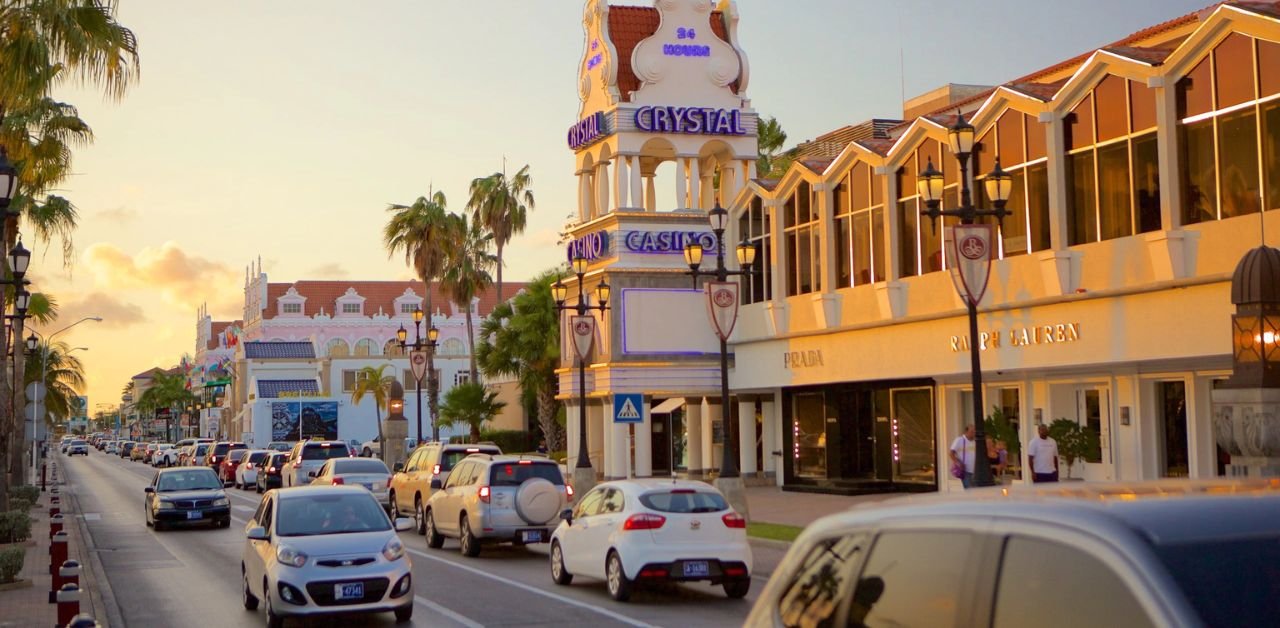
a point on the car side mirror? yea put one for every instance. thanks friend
(149, 489)
(311, 474)
(404, 524)
(258, 533)
(436, 484)
(399, 466)
(566, 515)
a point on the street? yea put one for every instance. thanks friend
(192, 576)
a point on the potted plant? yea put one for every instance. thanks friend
(1074, 442)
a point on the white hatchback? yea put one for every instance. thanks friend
(247, 470)
(372, 474)
(634, 531)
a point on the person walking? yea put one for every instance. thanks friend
(962, 454)
(1042, 454)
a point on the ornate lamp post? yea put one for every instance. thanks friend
(418, 361)
(582, 327)
(970, 255)
(722, 296)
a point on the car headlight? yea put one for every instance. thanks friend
(393, 550)
(291, 557)
(165, 505)
(221, 501)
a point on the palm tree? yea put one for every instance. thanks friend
(472, 405)
(420, 231)
(521, 338)
(770, 138)
(502, 206)
(166, 392)
(63, 377)
(370, 381)
(467, 272)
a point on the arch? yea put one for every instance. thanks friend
(392, 349)
(453, 346)
(337, 348)
(365, 347)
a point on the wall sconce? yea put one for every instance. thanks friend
(1124, 415)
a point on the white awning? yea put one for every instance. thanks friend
(667, 406)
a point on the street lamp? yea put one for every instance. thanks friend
(418, 361)
(582, 327)
(723, 298)
(972, 249)
(8, 182)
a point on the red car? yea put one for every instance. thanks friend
(222, 461)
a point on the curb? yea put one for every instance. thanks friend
(774, 543)
(98, 587)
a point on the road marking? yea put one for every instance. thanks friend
(465, 621)
(532, 589)
(91, 516)
(245, 508)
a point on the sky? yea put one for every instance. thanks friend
(283, 129)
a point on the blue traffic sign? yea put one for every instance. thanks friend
(628, 408)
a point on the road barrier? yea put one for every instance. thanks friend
(55, 525)
(83, 620)
(68, 600)
(57, 551)
(68, 573)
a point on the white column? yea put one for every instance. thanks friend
(650, 194)
(892, 258)
(769, 431)
(710, 450)
(595, 436)
(682, 189)
(637, 193)
(571, 432)
(747, 436)
(826, 236)
(693, 435)
(644, 442)
(602, 188)
(728, 184)
(619, 447)
(695, 185)
(1167, 157)
(780, 264)
(621, 183)
(1055, 144)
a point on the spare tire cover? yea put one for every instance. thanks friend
(538, 501)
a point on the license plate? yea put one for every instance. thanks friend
(368, 487)
(694, 568)
(194, 514)
(348, 591)
(531, 536)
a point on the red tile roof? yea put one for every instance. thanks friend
(1040, 91)
(768, 184)
(628, 26)
(817, 166)
(877, 146)
(378, 295)
(1149, 56)
(216, 330)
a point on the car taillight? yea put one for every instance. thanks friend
(644, 521)
(337, 482)
(435, 470)
(271, 469)
(484, 494)
(734, 520)
(568, 491)
(297, 464)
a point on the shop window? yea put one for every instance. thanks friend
(804, 268)
(365, 348)
(1268, 67)
(1146, 182)
(408, 307)
(411, 384)
(920, 239)
(1233, 70)
(913, 578)
(1199, 180)
(805, 602)
(754, 226)
(1054, 596)
(859, 244)
(1271, 150)
(461, 377)
(1195, 90)
(1114, 215)
(809, 435)
(337, 348)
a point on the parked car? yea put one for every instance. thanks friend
(138, 450)
(311, 551)
(496, 499)
(1160, 553)
(372, 474)
(247, 471)
(271, 471)
(633, 532)
(185, 496)
(168, 457)
(111, 447)
(372, 448)
(77, 447)
(226, 469)
(157, 455)
(219, 453)
(198, 454)
(411, 485)
(63, 442)
(126, 448)
(308, 456)
(279, 445)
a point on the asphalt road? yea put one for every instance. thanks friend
(192, 576)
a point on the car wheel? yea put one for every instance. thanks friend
(434, 539)
(158, 525)
(146, 515)
(467, 540)
(558, 572)
(404, 614)
(259, 487)
(248, 598)
(419, 521)
(619, 585)
(273, 620)
(737, 589)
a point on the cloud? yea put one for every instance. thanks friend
(120, 215)
(115, 313)
(182, 279)
(332, 270)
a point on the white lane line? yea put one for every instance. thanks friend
(532, 589)
(245, 508)
(465, 621)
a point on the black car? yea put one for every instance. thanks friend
(125, 448)
(186, 495)
(269, 471)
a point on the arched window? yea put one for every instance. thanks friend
(338, 348)
(392, 349)
(452, 346)
(365, 348)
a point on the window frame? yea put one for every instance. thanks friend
(802, 220)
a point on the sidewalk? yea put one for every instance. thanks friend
(30, 606)
(770, 504)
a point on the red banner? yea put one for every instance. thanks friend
(969, 251)
(583, 331)
(722, 306)
(418, 362)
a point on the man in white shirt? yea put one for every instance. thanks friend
(1042, 453)
(962, 452)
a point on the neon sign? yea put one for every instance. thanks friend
(597, 58)
(691, 120)
(587, 131)
(686, 50)
(666, 241)
(592, 246)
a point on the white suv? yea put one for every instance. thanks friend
(308, 456)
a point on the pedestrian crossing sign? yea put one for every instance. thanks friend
(628, 408)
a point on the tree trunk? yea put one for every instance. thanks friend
(382, 441)
(17, 444)
(433, 382)
(475, 432)
(471, 345)
(499, 246)
(547, 417)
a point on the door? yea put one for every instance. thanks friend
(660, 433)
(912, 431)
(574, 545)
(1174, 461)
(809, 431)
(857, 438)
(1093, 405)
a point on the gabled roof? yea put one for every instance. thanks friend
(628, 26)
(149, 373)
(378, 295)
(271, 388)
(279, 350)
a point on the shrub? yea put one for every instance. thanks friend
(19, 504)
(15, 526)
(11, 563)
(27, 492)
(510, 441)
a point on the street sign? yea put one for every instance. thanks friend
(584, 333)
(628, 408)
(418, 361)
(80, 404)
(35, 391)
(970, 253)
(722, 304)
(30, 412)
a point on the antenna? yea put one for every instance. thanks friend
(902, 65)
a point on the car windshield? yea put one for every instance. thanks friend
(1230, 582)
(452, 457)
(77, 442)
(193, 480)
(360, 465)
(324, 452)
(200, 449)
(236, 455)
(257, 456)
(683, 501)
(330, 514)
(515, 474)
